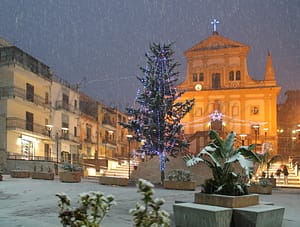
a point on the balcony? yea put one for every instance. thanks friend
(90, 140)
(107, 121)
(14, 123)
(66, 106)
(70, 137)
(12, 92)
(13, 55)
(111, 141)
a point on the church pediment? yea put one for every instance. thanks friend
(215, 42)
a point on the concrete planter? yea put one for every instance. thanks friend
(180, 185)
(20, 173)
(113, 181)
(258, 216)
(43, 176)
(194, 215)
(226, 200)
(260, 189)
(70, 177)
(273, 182)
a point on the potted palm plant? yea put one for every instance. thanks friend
(230, 182)
(263, 186)
(265, 164)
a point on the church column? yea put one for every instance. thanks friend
(188, 71)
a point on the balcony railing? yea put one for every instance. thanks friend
(108, 121)
(17, 123)
(66, 106)
(11, 92)
(111, 141)
(90, 140)
(13, 156)
(14, 55)
(69, 136)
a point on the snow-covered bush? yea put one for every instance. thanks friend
(93, 206)
(149, 213)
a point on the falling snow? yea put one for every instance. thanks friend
(101, 44)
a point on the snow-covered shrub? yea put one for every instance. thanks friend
(93, 206)
(179, 175)
(149, 213)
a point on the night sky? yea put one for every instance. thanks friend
(105, 41)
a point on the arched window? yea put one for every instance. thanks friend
(231, 75)
(201, 77)
(195, 77)
(238, 75)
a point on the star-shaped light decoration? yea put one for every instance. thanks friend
(216, 115)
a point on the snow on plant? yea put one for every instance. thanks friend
(149, 213)
(91, 211)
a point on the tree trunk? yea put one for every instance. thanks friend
(162, 166)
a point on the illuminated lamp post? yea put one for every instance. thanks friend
(129, 138)
(256, 130)
(49, 129)
(64, 132)
(243, 136)
(266, 133)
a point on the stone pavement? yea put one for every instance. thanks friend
(27, 202)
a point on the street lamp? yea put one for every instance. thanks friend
(266, 133)
(256, 129)
(243, 136)
(129, 138)
(49, 129)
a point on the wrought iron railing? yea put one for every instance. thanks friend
(66, 106)
(108, 121)
(17, 123)
(69, 136)
(12, 156)
(12, 92)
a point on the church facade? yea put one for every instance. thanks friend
(226, 97)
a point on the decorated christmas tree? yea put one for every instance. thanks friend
(155, 117)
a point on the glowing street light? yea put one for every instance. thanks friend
(256, 129)
(243, 136)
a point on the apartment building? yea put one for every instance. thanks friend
(25, 85)
(45, 118)
(108, 127)
(89, 137)
(63, 126)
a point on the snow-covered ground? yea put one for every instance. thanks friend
(28, 202)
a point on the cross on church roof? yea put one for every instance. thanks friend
(214, 23)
